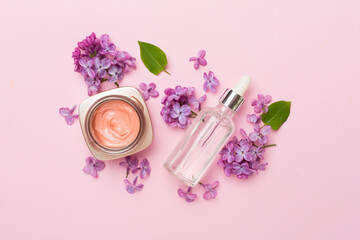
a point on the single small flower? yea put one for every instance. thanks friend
(210, 191)
(100, 66)
(93, 166)
(242, 170)
(145, 169)
(189, 197)
(226, 166)
(260, 134)
(261, 103)
(243, 151)
(125, 60)
(107, 47)
(258, 152)
(196, 103)
(93, 85)
(132, 187)
(131, 164)
(228, 152)
(258, 166)
(148, 91)
(211, 82)
(115, 74)
(175, 94)
(67, 113)
(180, 113)
(199, 60)
(86, 65)
(253, 118)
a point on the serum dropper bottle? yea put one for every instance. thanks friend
(206, 136)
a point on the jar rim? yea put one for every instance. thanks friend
(89, 118)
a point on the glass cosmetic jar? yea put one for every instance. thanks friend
(115, 123)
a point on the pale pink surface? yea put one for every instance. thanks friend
(304, 51)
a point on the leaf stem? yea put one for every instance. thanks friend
(117, 84)
(167, 72)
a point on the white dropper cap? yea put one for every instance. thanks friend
(242, 85)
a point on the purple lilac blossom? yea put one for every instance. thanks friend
(93, 85)
(86, 67)
(180, 113)
(210, 191)
(93, 166)
(199, 60)
(145, 169)
(178, 104)
(125, 60)
(107, 47)
(261, 103)
(100, 66)
(115, 73)
(67, 113)
(132, 187)
(189, 197)
(94, 57)
(211, 82)
(148, 91)
(131, 164)
(260, 134)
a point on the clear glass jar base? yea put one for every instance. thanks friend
(181, 178)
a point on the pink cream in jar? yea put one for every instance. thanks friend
(116, 123)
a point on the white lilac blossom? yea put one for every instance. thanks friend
(98, 61)
(93, 166)
(148, 91)
(244, 157)
(67, 113)
(179, 105)
(199, 60)
(211, 82)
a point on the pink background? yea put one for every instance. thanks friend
(307, 52)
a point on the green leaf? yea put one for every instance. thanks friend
(278, 114)
(153, 58)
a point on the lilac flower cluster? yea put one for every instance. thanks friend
(210, 192)
(132, 166)
(98, 61)
(179, 104)
(244, 157)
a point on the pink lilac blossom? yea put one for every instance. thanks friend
(199, 60)
(98, 61)
(93, 166)
(67, 113)
(148, 91)
(178, 106)
(211, 82)
(243, 157)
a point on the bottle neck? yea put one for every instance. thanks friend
(225, 110)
